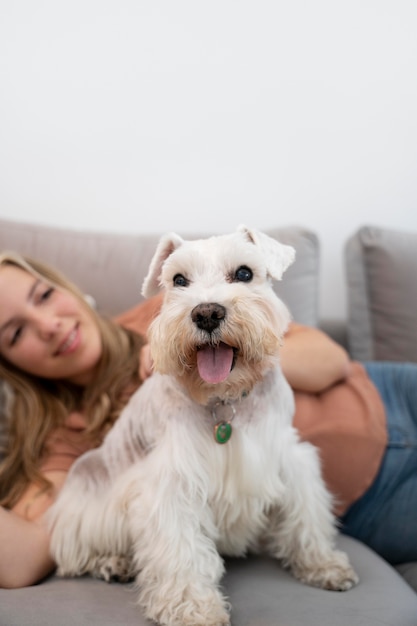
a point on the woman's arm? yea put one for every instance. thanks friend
(311, 361)
(24, 551)
(24, 539)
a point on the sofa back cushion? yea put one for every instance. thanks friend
(111, 267)
(381, 268)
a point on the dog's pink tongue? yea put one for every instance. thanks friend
(214, 364)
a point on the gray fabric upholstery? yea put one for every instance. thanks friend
(111, 268)
(381, 267)
(261, 593)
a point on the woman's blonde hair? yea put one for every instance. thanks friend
(40, 405)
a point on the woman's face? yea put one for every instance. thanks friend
(45, 330)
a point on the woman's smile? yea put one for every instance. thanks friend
(71, 343)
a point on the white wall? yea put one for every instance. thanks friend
(135, 115)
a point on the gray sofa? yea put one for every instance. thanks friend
(111, 268)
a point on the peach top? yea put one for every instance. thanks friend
(348, 425)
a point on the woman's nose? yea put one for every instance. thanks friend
(47, 325)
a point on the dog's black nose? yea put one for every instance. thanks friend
(207, 316)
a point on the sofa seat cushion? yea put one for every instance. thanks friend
(260, 591)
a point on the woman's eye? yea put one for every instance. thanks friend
(180, 281)
(47, 293)
(16, 335)
(243, 274)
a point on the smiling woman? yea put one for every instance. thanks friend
(71, 372)
(46, 330)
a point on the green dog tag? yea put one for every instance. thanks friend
(222, 432)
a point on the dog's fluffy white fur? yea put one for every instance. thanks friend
(161, 498)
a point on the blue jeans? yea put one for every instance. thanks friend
(385, 517)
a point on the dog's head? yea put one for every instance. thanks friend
(221, 324)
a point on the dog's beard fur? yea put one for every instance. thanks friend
(254, 327)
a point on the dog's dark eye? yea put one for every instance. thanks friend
(180, 281)
(243, 274)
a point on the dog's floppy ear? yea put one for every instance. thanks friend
(278, 256)
(152, 285)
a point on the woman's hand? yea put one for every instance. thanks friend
(24, 551)
(35, 500)
(145, 362)
(24, 537)
(311, 360)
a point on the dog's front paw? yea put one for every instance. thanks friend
(214, 615)
(209, 610)
(334, 573)
(114, 567)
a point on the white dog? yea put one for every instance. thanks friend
(204, 460)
